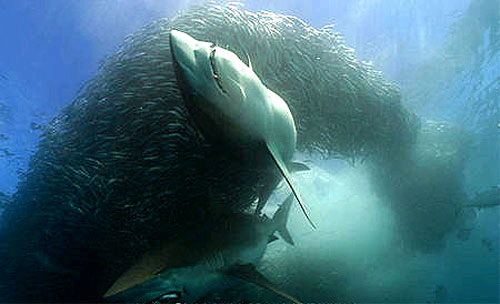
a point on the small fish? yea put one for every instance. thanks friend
(7, 153)
(187, 272)
(488, 244)
(441, 294)
(4, 199)
(36, 126)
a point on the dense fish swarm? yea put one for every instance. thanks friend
(342, 106)
(123, 167)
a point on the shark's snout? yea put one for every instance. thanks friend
(183, 47)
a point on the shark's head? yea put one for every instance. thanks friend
(185, 273)
(177, 285)
(226, 91)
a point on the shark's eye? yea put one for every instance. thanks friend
(215, 72)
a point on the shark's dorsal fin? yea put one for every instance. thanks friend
(266, 191)
(280, 218)
(286, 174)
(248, 273)
(298, 167)
(264, 195)
(272, 238)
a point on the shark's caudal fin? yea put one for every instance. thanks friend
(248, 273)
(286, 174)
(280, 218)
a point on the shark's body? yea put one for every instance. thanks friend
(187, 272)
(229, 102)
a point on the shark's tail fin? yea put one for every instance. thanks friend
(280, 218)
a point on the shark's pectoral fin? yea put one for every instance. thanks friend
(139, 273)
(148, 266)
(286, 174)
(248, 273)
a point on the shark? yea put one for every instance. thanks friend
(229, 102)
(485, 199)
(186, 271)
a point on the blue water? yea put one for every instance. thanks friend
(48, 49)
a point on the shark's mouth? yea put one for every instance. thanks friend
(215, 73)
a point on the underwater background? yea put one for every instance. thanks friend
(443, 55)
